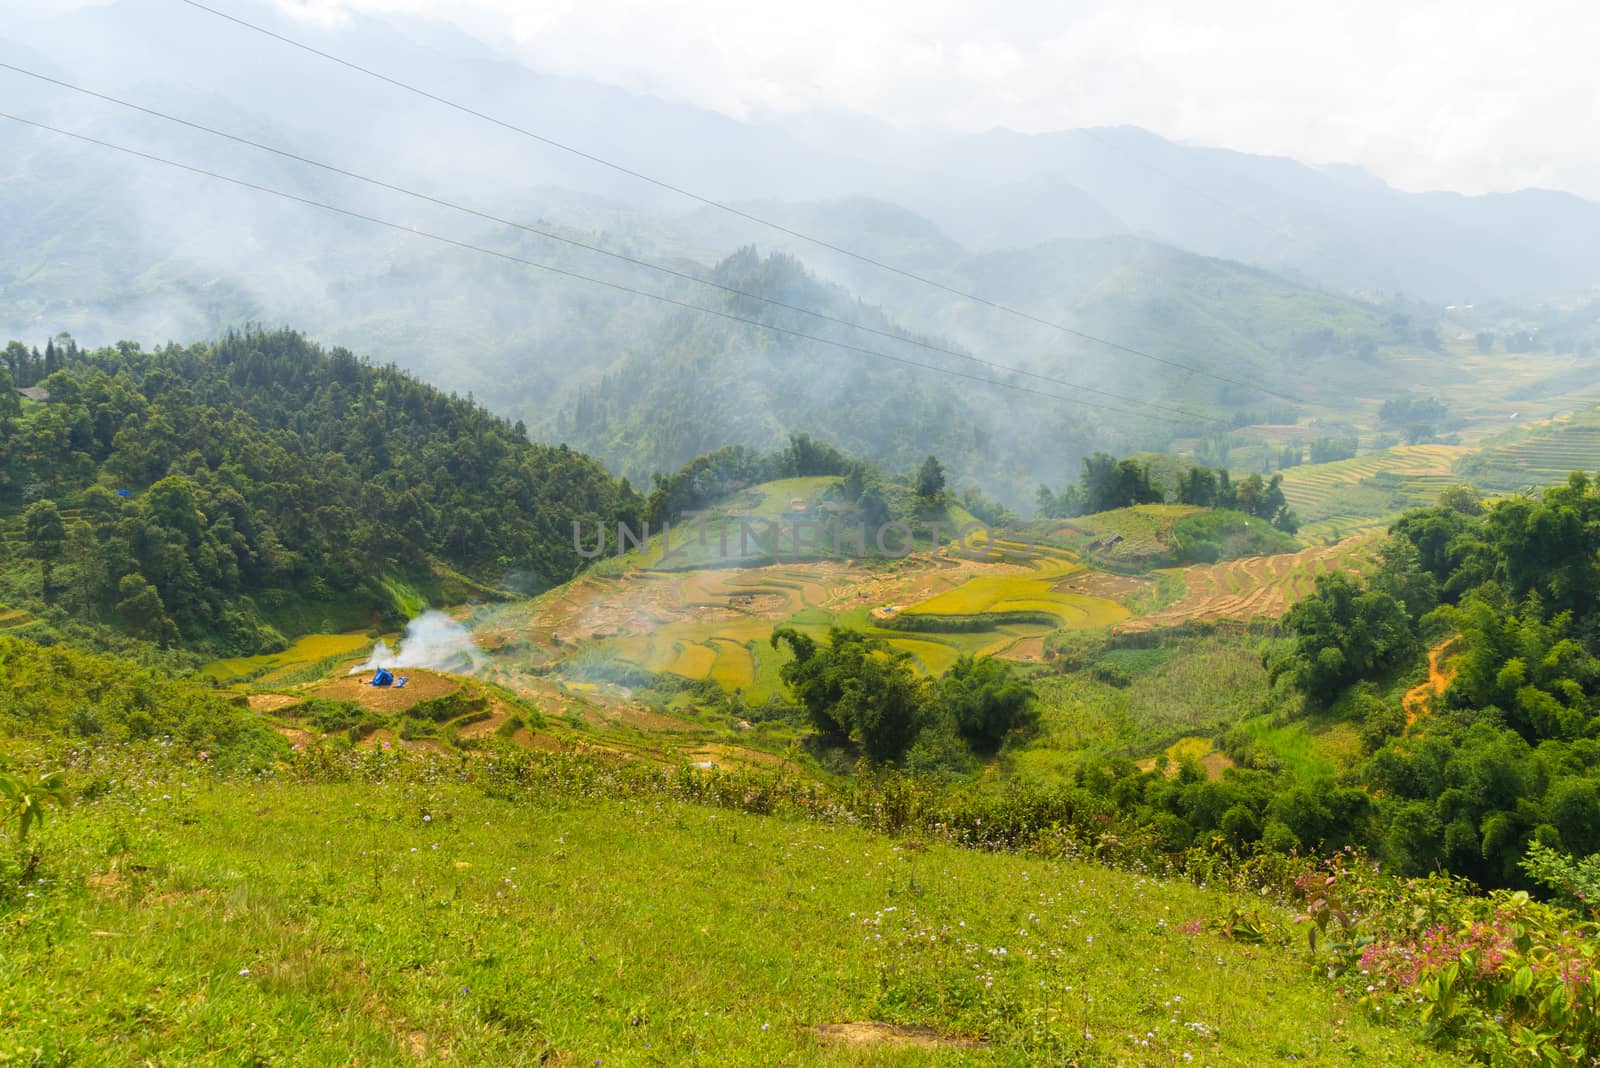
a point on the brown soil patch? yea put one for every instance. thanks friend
(296, 736)
(378, 739)
(1025, 650)
(417, 1044)
(271, 702)
(1215, 763)
(535, 740)
(1092, 583)
(176, 897)
(872, 1032)
(105, 883)
(422, 684)
(1420, 696)
(724, 755)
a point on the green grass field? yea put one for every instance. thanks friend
(420, 921)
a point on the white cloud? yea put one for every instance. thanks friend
(1472, 95)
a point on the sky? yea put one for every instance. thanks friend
(1467, 95)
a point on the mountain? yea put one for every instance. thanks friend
(1249, 267)
(1336, 225)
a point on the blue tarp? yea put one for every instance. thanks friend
(124, 493)
(383, 677)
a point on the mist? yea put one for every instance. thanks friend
(1176, 250)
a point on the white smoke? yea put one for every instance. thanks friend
(432, 640)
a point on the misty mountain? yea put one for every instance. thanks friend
(1239, 264)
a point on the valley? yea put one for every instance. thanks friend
(631, 535)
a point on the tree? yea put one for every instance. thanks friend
(45, 534)
(1464, 499)
(930, 480)
(1344, 633)
(854, 687)
(141, 609)
(985, 699)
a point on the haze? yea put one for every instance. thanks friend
(1469, 97)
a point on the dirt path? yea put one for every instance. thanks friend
(1421, 695)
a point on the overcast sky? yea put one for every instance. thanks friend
(1466, 95)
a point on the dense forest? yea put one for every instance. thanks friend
(203, 496)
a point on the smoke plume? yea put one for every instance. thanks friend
(432, 640)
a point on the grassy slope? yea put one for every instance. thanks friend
(1157, 535)
(610, 932)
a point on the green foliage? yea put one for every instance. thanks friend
(1412, 414)
(855, 686)
(1327, 450)
(1107, 484)
(1502, 978)
(24, 800)
(262, 470)
(293, 902)
(985, 700)
(55, 694)
(1226, 534)
(1344, 633)
(930, 480)
(1575, 880)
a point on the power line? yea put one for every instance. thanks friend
(467, 245)
(685, 275)
(729, 208)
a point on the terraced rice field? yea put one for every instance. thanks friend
(306, 653)
(1035, 591)
(1545, 458)
(716, 623)
(1335, 500)
(1259, 587)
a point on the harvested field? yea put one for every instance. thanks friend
(1196, 748)
(1259, 587)
(278, 668)
(271, 702)
(388, 699)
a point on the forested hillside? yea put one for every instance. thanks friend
(214, 495)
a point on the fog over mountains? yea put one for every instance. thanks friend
(1211, 257)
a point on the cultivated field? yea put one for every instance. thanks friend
(1259, 587)
(1335, 500)
(1544, 456)
(715, 623)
